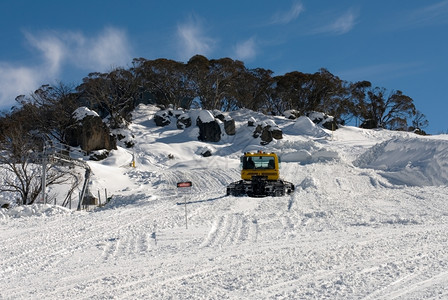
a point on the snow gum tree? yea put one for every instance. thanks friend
(165, 79)
(111, 94)
(390, 110)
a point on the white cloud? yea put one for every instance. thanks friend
(110, 48)
(96, 53)
(286, 17)
(192, 40)
(340, 25)
(52, 49)
(15, 81)
(343, 24)
(436, 13)
(246, 50)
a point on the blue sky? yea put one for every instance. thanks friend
(398, 45)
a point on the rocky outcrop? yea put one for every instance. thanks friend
(323, 120)
(212, 124)
(267, 132)
(90, 133)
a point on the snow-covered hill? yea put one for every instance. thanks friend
(368, 220)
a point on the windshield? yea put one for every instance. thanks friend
(258, 162)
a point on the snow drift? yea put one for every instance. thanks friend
(411, 161)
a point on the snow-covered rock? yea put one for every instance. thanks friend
(304, 126)
(82, 112)
(206, 116)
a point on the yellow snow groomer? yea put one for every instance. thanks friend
(260, 177)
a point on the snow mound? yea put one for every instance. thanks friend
(413, 162)
(82, 112)
(304, 126)
(34, 210)
(304, 156)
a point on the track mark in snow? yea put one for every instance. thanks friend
(127, 246)
(230, 230)
(288, 226)
(290, 202)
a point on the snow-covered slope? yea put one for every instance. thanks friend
(368, 220)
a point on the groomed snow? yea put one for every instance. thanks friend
(368, 220)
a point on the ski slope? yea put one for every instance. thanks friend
(368, 220)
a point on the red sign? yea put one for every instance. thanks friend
(184, 184)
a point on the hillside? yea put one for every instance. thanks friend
(368, 219)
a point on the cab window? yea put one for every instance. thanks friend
(258, 162)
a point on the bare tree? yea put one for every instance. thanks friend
(49, 109)
(20, 168)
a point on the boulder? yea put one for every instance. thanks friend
(229, 126)
(277, 133)
(99, 155)
(266, 136)
(183, 121)
(418, 131)
(209, 131)
(324, 120)
(369, 124)
(251, 122)
(218, 115)
(330, 124)
(229, 123)
(291, 114)
(91, 134)
(162, 118)
(206, 152)
(316, 117)
(267, 132)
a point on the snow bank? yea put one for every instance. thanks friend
(82, 112)
(305, 156)
(414, 162)
(33, 210)
(304, 126)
